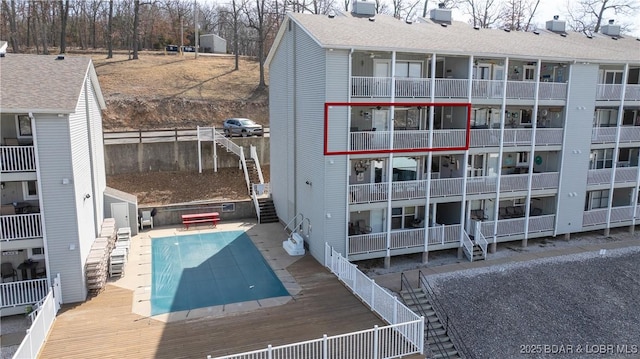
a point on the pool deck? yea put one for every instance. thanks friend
(116, 322)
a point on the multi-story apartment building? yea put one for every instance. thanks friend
(394, 137)
(52, 172)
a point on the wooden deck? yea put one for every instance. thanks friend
(105, 327)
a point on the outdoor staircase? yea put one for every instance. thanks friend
(477, 253)
(252, 171)
(267, 211)
(435, 334)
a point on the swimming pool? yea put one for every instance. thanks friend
(209, 269)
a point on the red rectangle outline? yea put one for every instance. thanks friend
(399, 104)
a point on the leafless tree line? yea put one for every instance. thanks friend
(249, 26)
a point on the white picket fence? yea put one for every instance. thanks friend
(403, 336)
(45, 314)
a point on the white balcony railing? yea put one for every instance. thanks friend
(369, 86)
(517, 137)
(20, 226)
(594, 217)
(506, 227)
(447, 187)
(552, 91)
(621, 214)
(632, 93)
(368, 192)
(485, 138)
(609, 92)
(402, 190)
(22, 292)
(541, 223)
(603, 135)
(367, 243)
(626, 174)
(547, 180)
(17, 158)
(444, 234)
(407, 238)
(512, 183)
(480, 185)
(599, 176)
(630, 134)
(407, 139)
(413, 87)
(548, 136)
(449, 138)
(370, 140)
(524, 90)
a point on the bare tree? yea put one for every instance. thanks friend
(10, 13)
(586, 15)
(484, 13)
(110, 31)
(259, 20)
(517, 15)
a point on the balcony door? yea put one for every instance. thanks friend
(380, 120)
(612, 77)
(382, 74)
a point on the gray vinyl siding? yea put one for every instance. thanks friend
(83, 184)
(576, 147)
(281, 125)
(309, 129)
(97, 151)
(335, 167)
(58, 204)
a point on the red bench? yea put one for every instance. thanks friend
(213, 217)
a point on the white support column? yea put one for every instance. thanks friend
(503, 108)
(635, 202)
(616, 148)
(347, 213)
(427, 223)
(199, 150)
(387, 260)
(464, 209)
(532, 154)
(215, 150)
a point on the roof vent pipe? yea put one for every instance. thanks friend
(611, 21)
(611, 29)
(441, 5)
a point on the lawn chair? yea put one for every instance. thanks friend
(146, 220)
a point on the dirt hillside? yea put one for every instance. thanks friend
(170, 91)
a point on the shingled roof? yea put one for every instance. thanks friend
(457, 38)
(43, 83)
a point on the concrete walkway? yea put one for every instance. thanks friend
(392, 280)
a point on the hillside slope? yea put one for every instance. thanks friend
(172, 91)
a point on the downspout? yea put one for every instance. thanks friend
(387, 261)
(427, 223)
(348, 164)
(500, 153)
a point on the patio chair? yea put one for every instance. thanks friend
(146, 220)
(9, 272)
(41, 269)
(362, 227)
(11, 141)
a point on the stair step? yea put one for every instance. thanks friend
(447, 354)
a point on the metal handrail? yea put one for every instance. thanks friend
(450, 329)
(404, 282)
(296, 227)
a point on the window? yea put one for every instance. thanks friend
(24, 126)
(529, 73)
(597, 199)
(408, 69)
(602, 158)
(613, 77)
(37, 251)
(606, 118)
(523, 159)
(30, 190)
(402, 217)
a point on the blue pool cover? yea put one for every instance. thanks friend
(203, 270)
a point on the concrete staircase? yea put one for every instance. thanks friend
(267, 210)
(439, 343)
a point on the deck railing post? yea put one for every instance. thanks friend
(395, 310)
(325, 344)
(375, 342)
(270, 351)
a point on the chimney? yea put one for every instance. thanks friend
(556, 25)
(611, 29)
(364, 8)
(441, 14)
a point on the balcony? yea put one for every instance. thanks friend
(406, 139)
(613, 92)
(20, 226)
(598, 216)
(403, 238)
(515, 137)
(17, 159)
(608, 134)
(515, 226)
(602, 176)
(371, 87)
(23, 292)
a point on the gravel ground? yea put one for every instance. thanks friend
(585, 304)
(10, 326)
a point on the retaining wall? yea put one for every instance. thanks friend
(170, 214)
(177, 155)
